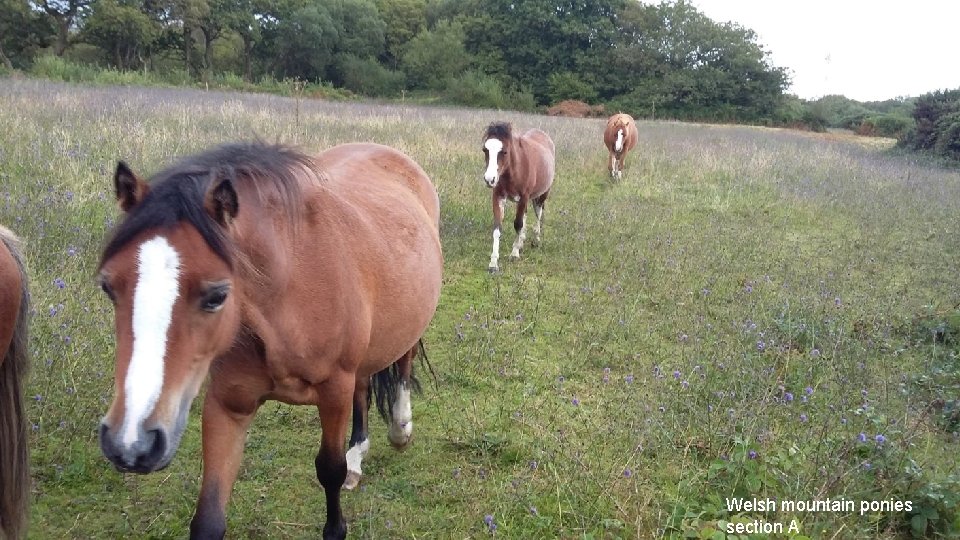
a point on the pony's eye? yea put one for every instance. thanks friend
(214, 299)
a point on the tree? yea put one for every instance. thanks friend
(125, 32)
(433, 57)
(404, 19)
(64, 15)
(23, 31)
(528, 41)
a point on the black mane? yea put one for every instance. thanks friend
(177, 193)
(498, 130)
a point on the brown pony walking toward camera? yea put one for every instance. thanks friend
(14, 466)
(519, 168)
(620, 136)
(284, 276)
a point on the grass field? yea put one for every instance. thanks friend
(749, 313)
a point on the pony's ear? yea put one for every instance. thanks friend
(129, 187)
(221, 201)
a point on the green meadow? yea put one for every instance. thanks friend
(749, 313)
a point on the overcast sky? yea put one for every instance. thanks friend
(868, 50)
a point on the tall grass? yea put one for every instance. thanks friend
(750, 312)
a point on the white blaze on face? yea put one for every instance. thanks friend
(494, 147)
(619, 145)
(158, 273)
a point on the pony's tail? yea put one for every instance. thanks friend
(14, 465)
(386, 382)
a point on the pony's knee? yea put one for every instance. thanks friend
(331, 473)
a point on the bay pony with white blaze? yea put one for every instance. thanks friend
(14, 362)
(283, 276)
(519, 168)
(620, 137)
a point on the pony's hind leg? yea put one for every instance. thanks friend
(359, 440)
(401, 417)
(520, 225)
(538, 205)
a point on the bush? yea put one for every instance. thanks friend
(567, 85)
(476, 89)
(947, 142)
(884, 125)
(368, 77)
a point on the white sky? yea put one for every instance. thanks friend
(862, 49)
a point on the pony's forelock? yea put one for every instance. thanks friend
(498, 130)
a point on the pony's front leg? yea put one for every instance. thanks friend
(520, 225)
(497, 222)
(613, 164)
(224, 433)
(336, 395)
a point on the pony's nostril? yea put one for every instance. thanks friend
(153, 449)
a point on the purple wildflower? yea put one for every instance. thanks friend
(676, 374)
(788, 397)
(803, 418)
(60, 283)
(752, 454)
(808, 390)
(880, 439)
(628, 379)
(627, 473)
(862, 437)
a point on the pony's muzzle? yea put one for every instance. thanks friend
(490, 180)
(144, 455)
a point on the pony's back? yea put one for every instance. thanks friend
(14, 468)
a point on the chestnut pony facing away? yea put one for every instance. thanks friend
(14, 466)
(519, 168)
(284, 276)
(620, 136)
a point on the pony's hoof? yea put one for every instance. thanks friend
(400, 435)
(514, 257)
(493, 269)
(352, 480)
(401, 443)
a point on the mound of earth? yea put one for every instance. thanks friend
(575, 109)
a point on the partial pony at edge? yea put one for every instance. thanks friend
(14, 463)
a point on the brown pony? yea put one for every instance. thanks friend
(519, 168)
(620, 137)
(14, 467)
(286, 277)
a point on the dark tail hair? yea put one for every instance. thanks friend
(386, 382)
(14, 464)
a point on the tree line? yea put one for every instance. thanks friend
(663, 60)
(655, 60)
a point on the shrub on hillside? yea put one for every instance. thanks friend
(476, 89)
(937, 129)
(883, 125)
(368, 77)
